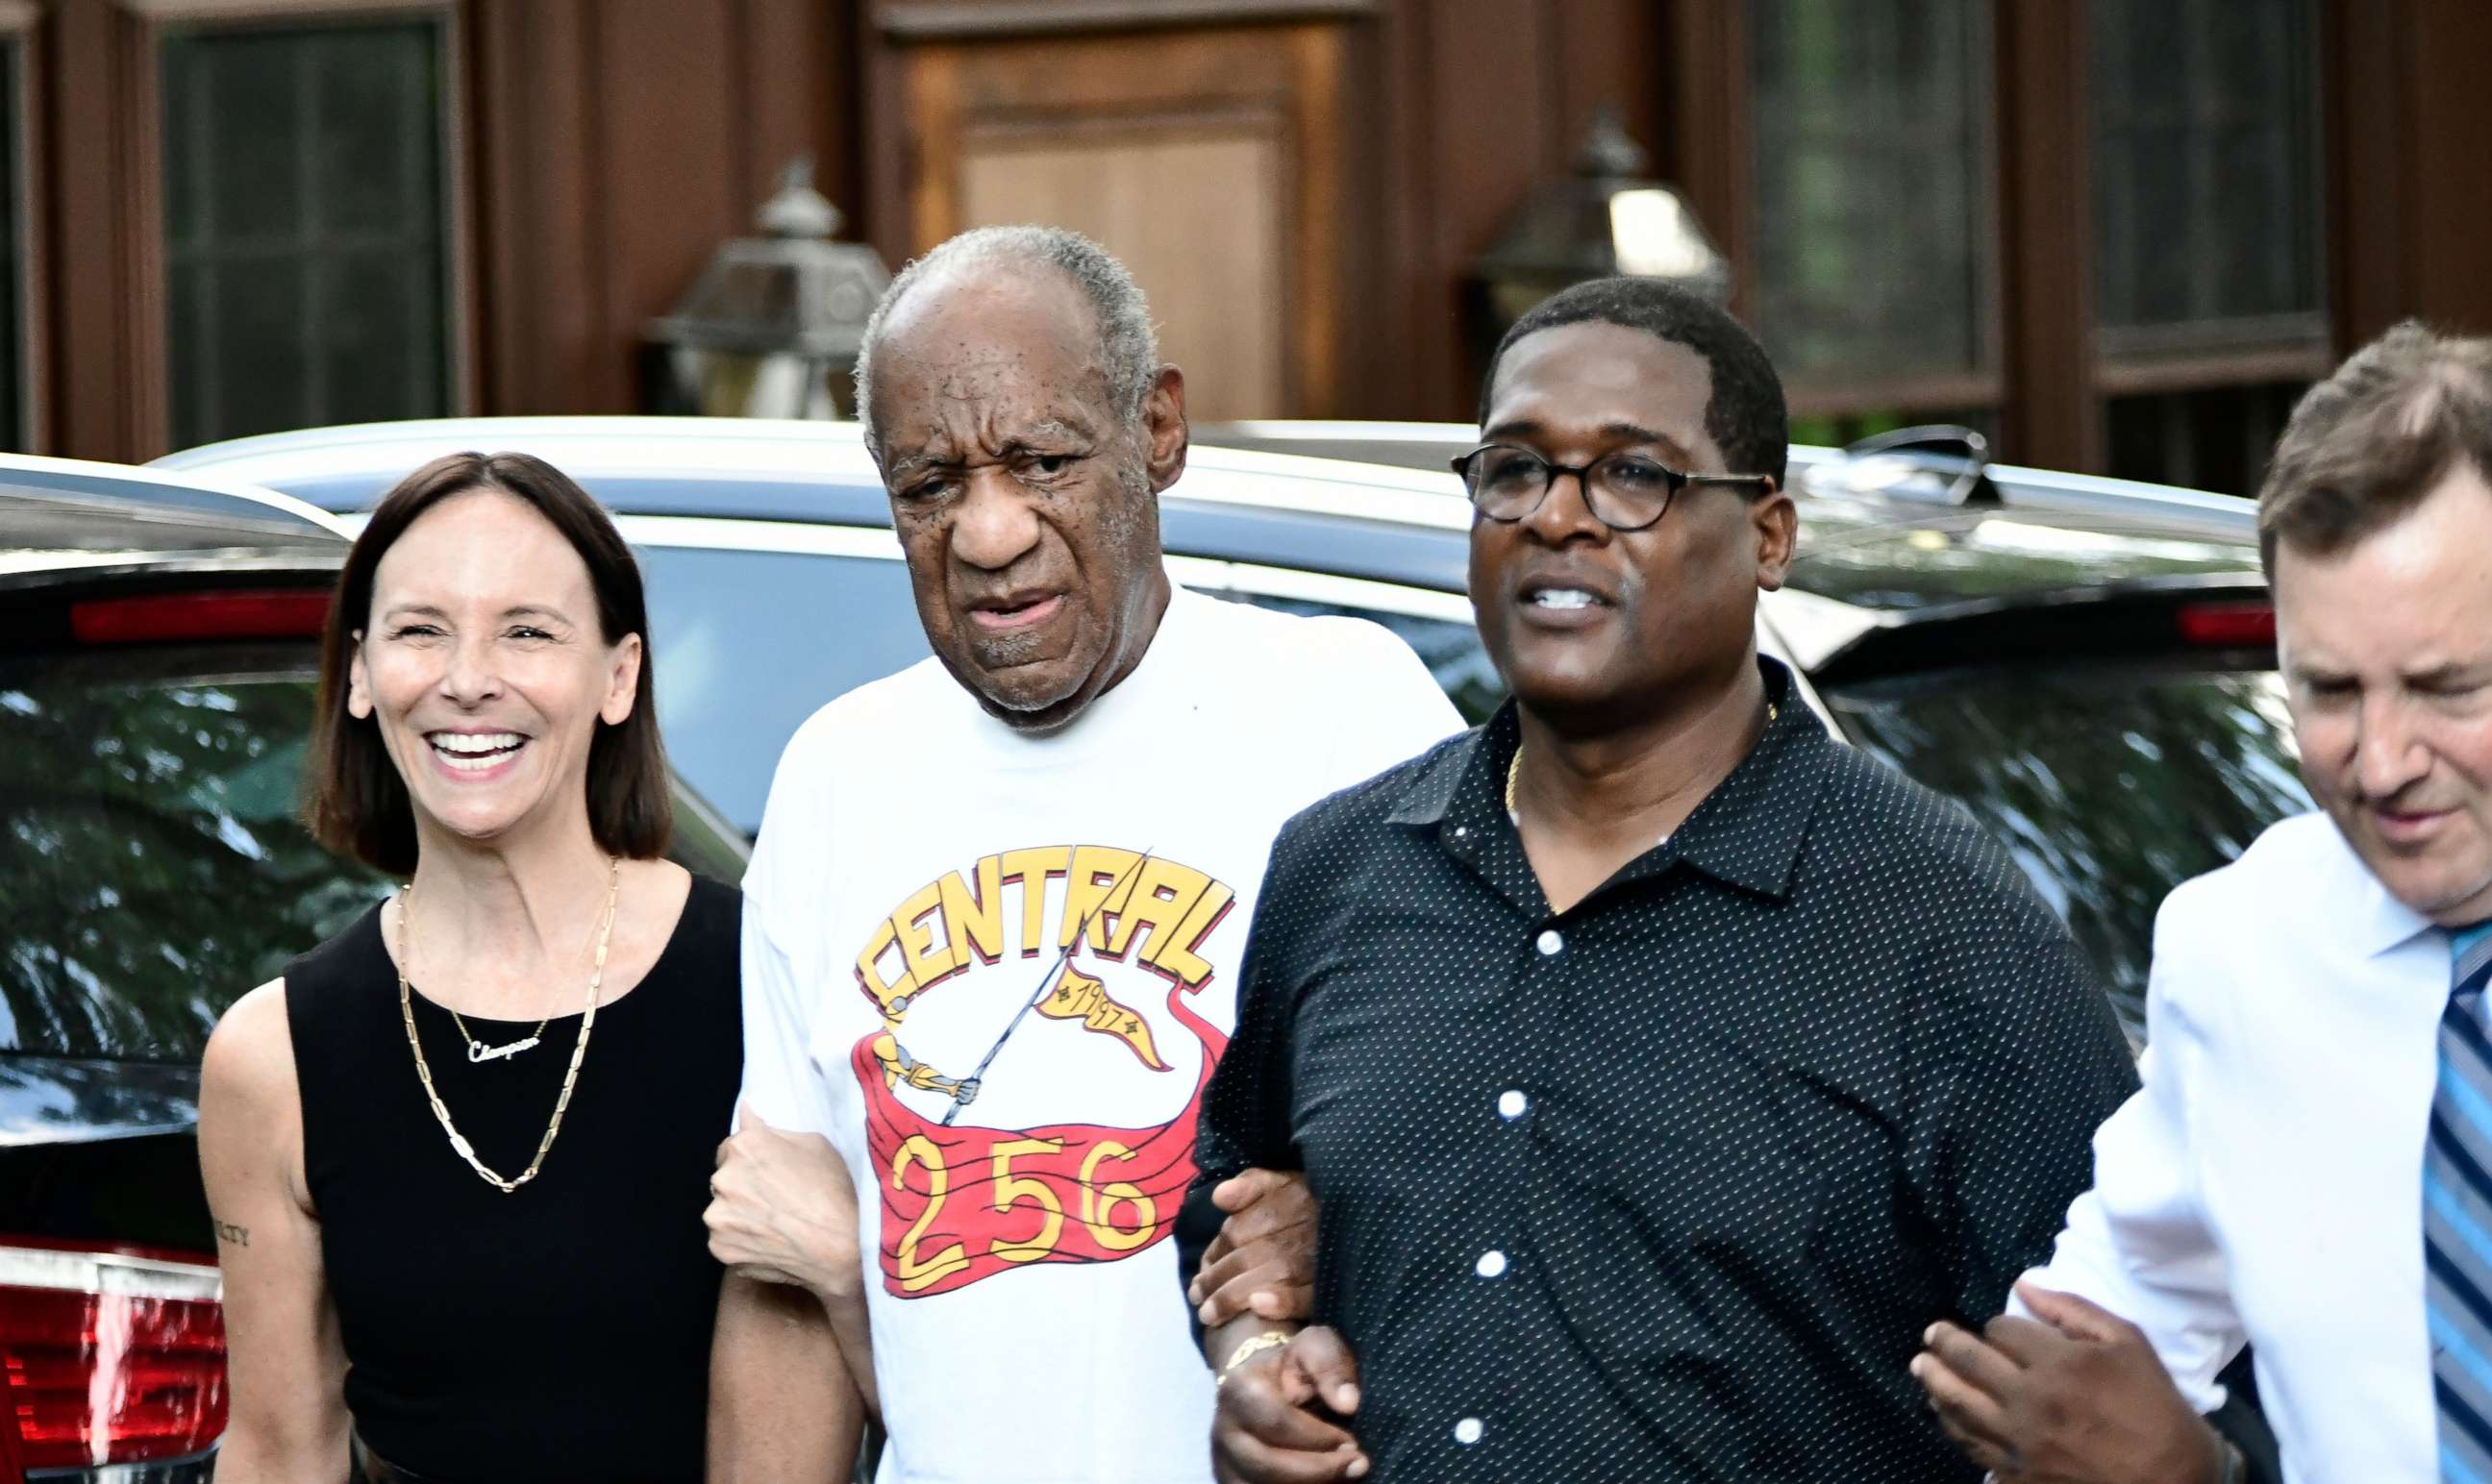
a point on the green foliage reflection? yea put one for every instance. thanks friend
(2109, 784)
(154, 869)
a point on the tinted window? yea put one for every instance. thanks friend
(750, 643)
(2111, 785)
(1451, 650)
(155, 869)
(1872, 228)
(306, 246)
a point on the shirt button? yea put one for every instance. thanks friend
(1551, 942)
(1492, 1265)
(1469, 1431)
(1511, 1104)
(1460, 831)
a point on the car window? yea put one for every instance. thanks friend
(1451, 650)
(2111, 784)
(746, 645)
(155, 865)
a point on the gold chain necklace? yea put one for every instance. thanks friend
(1514, 766)
(477, 1050)
(578, 1049)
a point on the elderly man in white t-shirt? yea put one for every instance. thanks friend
(993, 922)
(2308, 1167)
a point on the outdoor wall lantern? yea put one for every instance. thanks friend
(772, 326)
(1606, 218)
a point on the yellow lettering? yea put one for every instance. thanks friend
(974, 919)
(1181, 960)
(925, 962)
(1078, 997)
(1099, 1200)
(1163, 893)
(914, 1274)
(1009, 1188)
(1031, 868)
(1098, 874)
(870, 978)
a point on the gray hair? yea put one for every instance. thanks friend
(1128, 351)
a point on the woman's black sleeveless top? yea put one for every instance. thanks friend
(561, 1332)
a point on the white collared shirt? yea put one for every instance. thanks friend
(2267, 1182)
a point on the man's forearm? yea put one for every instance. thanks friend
(782, 1402)
(851, 1328)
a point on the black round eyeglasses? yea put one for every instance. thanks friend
(1624, 492)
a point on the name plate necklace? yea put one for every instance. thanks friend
(578, 1049)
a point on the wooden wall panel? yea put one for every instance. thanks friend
(2451, 222)
(1195, 212)
(1486, 101)
(2368, 168)
(1495, 134)
(798, 97)
(621, 141)
(2406, 225)
(669, 162)
(541, 283)
(1704, 146)
(2053, 415)
(1609, 54)
(1209, 160)
(90, 134)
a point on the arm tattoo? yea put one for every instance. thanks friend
(227, 1232)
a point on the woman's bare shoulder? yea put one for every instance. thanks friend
(251, 1055)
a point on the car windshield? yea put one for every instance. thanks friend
(2111, 784)
(156, 866)
(748, 644)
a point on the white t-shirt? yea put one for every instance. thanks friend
(920, 868)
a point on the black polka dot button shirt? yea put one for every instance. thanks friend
(1665, 1186)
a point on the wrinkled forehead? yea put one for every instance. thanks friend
(972, 357)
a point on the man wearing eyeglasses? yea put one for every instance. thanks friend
(1662, 1067)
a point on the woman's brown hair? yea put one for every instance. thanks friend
(358, 804)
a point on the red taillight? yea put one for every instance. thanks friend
(109, 1358)
(2243, 624)
(161, 617)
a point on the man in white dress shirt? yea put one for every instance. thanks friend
(2305, 1165)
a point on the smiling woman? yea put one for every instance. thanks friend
(446, 521)
(413, 1109)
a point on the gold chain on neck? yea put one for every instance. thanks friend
(578, 1047)
(1514, 766)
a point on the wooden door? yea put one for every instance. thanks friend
(1210, 159)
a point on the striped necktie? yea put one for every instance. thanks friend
(2457, 1218)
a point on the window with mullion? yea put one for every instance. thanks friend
(2209, 277)
(306, 241)
(2206, 173)
(1873, 257)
